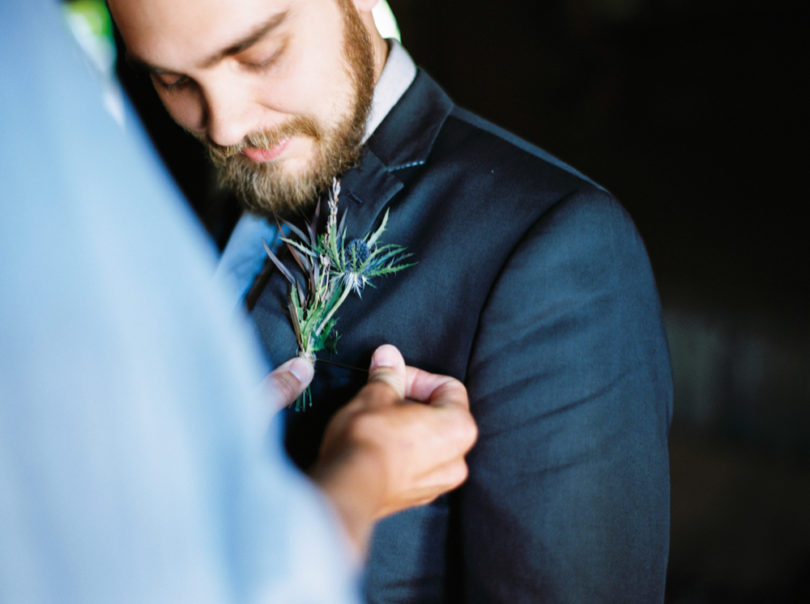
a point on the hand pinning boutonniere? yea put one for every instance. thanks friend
(333, 269)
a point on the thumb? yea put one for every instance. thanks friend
(387, 365)
(287, 381)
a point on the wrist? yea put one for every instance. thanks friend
(353, 483)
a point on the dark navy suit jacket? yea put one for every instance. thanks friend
(534, 288)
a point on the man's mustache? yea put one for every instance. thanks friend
(297, 126)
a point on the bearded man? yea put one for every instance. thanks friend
(531, 285)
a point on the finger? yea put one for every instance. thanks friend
(287, 381)
(448, 394)
(444, 477)
(438, 390)
(372, 396)
(437, 482)
(387, 365)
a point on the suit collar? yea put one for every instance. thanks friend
(406, 136)
(396, 77)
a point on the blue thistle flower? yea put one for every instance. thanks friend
(357, 253)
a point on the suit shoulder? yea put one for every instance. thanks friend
(485, 139)
(482, 166)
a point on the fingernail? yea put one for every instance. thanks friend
(385, 356)
(301, 369)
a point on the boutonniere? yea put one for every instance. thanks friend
(333, 269)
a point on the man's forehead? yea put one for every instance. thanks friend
(165, 32)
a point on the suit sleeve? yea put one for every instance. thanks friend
(568, 495)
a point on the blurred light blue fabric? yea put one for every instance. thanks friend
(134, 459)
(243, 257)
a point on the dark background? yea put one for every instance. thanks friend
(694, 114)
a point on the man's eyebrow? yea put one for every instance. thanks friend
(249, 40)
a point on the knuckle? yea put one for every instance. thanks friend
(460, 473)
(366, 425)
(286, 385)
(470, 433)
(465, 431)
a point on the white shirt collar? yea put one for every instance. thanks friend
(397, 75)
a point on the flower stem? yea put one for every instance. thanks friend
(341, 300)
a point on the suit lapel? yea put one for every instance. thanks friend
(365, 191)
(403, 140)
(405, 137)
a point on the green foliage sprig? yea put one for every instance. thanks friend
(333, 269)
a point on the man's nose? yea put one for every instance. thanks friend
(229, 116)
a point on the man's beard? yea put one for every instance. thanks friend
(265, 188)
